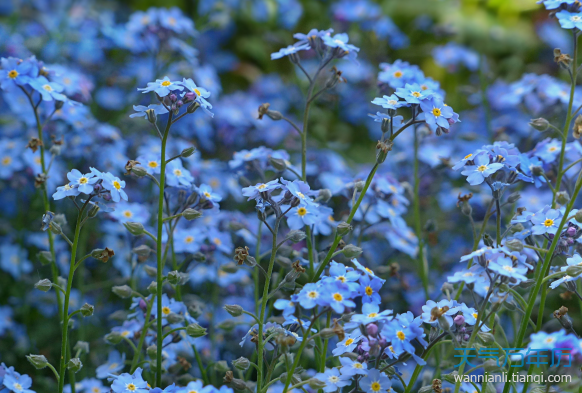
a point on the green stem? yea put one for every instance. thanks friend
(417, 222)
(160, 252)
(143, 335)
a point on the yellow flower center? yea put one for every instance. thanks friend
(338, 297)
(467, 156)
(13, 74)
(166, 83)
(177, 172)
(47, 87)
(192, 391)
(166, 310)
(312, 294)
(357, 365)
(17, 386)
(372, 315)
(369, 291)
(217, 241)
(189, 239)
(398, 74)
(508, 268)
(172, 21)
(6, 160)
(341, 278)
(96, 390)
(113, 365)
(127, 214)
(302, 211)
(549, 222)
(553, 148)
(131, 387)
(400, 334)
(482, 168)
(262, 187)
(349, 341)
(416, 94)
(153, 164)
(197, 92)
(375, 386)
(83, 180)
(125, 333)
(207, 194)
(116, 185)
(436, 112)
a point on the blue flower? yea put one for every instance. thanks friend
(340, 42)
(115, 363)
(162, 87)
(570, 20)
(553, 4)
(17, 383)
(352, 367)
(481, 169)
(65, 191)
(198, 94)
(127, 383)
(83, 182)
(413, 93)
(546, 221)
(151, 162)
(506, 267)
(348, 344)
(14, 260)
(14, 72)
(254, 192)
(369, 288)
(48, 90)
(333, 379)
(290, 50)
(115, 187)
(302, 215)
(312, 38)
(338, 296)
(310, 296)
(436, 113)
(140, 110)
(375, 382)
(177, 175)
(389, 102)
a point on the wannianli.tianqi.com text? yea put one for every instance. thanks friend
(515, 378)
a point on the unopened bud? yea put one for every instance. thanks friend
(241, 363)
(562, 197)
(574, 271)
(75, 365)
(123, 291)
(324, 195)
(187, 152)
(153, 287)
(174, 318)
(344, 228)
(191, 214)
(234, 310)
(55, 228)
(114, 338)
(45, 257)
(195, 330)
(350, 251)
(135, 228)
(142, 250)
(316, 384)
(151, 115)
(150, 270)
(296, 236)
(82, 347)
(152, 351)
(539, 124)
(44, 285)
(279, 164)
(87, 310)
(513, 197)
(38, 361)
(193, 107)
(102, 254)
(514, 244)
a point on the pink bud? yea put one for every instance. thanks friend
(571, 231)
(372, 329)
(459, 320)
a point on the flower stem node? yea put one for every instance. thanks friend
(234, 310)
(195, 330)
(38, 361)
(44, 285)
(135, 228)
(75, 365)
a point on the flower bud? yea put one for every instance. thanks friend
(444, 323)
(123, 291)
(537, 170)
(372, 329)
(150, 270)
(316, 384)
(227, 325)
(178, 278)
(343, 228)
(539, 124)
(153, 287)
(234, 310)
(327, 333)
(359, 185)
(152, 351)
(447, 287)
(324, 195)
(45, 257)
(75, 365)
(93, 210)
(577, 128)
(142, 251)
(195, 330)
(113, 338)
(459, 320)
(135, 228)
(38, 361)
(221, 366)
(513, 197)
(102, 254)
(139, 171)
(187, 152)
(562, 197)
(514, 244)
(81, 346)
(174, 318)
(55, 228)
(296, 236)
(350, 251)
(191, 214)
(241, 363)
(151, 115)
(279, 164)
(44, 285)
(193, 107)
(87, 310)
(574, 271)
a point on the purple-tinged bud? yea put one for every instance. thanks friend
(463, 329)
(372, 329)
(382, 342)
(466, 337)
(459, 320)
(173, 97)
(570, 241)
(190, 96)
(179, 103)
(571, 231)
(143, 305)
